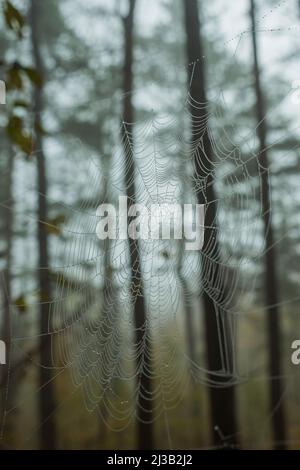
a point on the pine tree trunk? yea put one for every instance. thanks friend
(217, 327)
(6, 278)
(46, 395)
(144, 405)
(271, 281)
(188, 307)
(110, 310)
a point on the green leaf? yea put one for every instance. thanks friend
(20, 303)
(14, 126)
(20, 104)
(13, 18)
(17, 134)
(34, 76)
(14, 79)
(52, 226)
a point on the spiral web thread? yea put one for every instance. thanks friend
(96, 339)
(92, 325)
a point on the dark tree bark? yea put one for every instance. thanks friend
(187, 300)
(217, 325)
(188, 315)
(46, 395)
(271, 281)
(6, 278)
(110, 305)
(189, 327)
(144, 406)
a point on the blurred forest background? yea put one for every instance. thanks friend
(125, 344)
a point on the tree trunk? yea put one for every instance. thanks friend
(217, 327)
(189, 328)
(6, 278)
(187, 301)
(144, 363)
(271, 282)
(110, 310)
(46, 396)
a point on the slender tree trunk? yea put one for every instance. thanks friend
(110, 310)
(218, 335)
(271, 281)
(188, 307)
(188, 314)
(6, 278)
(46, 396)
(109, 314)
(144, 406)
(189, 329)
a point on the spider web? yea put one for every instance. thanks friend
(96, 339)
(92, 326)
